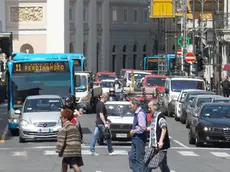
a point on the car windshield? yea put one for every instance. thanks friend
(122, 74)
(106, 77)
(43, 105)
(26, 84)
(137, 76)
(178, 85)
(118, 110)
(107, 84)
(155, 81)
(182, 98)
(202, 101)
(215, 111)
(197, 93)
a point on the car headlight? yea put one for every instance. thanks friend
(174, 97)
(24, 123)
(59, 123)
(208, 129)
(86, 98)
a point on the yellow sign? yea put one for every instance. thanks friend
(156, 60)
(40, 67)
(161, 9)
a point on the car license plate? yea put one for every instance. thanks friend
(121, 135)
(46, 130)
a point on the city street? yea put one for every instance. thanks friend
(41, 156)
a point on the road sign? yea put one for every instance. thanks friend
(190, 57)
(179, 53)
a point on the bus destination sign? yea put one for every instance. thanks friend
(40, 67)
(156, 60)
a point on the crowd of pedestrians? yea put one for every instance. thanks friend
(142, 158)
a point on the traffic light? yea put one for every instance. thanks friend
(201, 62)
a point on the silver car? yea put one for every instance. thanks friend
(40, 118)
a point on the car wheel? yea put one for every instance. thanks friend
(176, 118)
(191, 139)
(182, 121)
(198, 142)
(187, 124)
(21, 140)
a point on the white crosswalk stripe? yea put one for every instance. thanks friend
(187, 153)
(221, 154)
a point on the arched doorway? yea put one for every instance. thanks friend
(27, 48)
(114, 58)
(134, 56)
(124, 57)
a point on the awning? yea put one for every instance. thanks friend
(227, 67)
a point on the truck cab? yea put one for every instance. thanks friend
(86, 91)
(105, 76)
(138, 75)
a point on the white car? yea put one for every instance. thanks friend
(40, 118)
(121, 120)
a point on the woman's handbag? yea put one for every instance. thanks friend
(153, 157)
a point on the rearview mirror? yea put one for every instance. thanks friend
(17, 112)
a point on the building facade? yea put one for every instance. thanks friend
(112, 34)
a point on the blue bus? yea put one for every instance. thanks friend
(154, 62)
(39, 74)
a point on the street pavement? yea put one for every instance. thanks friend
(41, 156)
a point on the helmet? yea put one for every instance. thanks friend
(111, 90)
(69, 100)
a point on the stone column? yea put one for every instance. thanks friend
(224, 58)
(105, 47)
(92, 37)
(2, 16)
(57, 36)
(79, 26)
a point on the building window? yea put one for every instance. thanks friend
(71, 15)
(125, 15)
(99, 14)
(135, 15)
(85, 14)
(145, 16)
(114, 15)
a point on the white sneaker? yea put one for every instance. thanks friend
(94, 154)
(113, 153)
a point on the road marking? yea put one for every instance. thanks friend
(120, 152)
(3, 137)
(47, 152)
(187, 153)
(170, 137)
(19, 153)
(221, 154)
(181, 144)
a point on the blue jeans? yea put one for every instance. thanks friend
(137, 154)
(163, 165)
(100, 130)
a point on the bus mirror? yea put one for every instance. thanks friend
(78, 80)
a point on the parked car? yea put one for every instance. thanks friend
(40, 118)
(195, 104)
(188, 99)
(211, 124)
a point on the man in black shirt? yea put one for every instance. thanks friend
(226, 87)
(101, 125)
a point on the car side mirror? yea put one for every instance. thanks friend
(166, 90)
(18, 112)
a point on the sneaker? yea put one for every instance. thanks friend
(113, 153)
(94, 154)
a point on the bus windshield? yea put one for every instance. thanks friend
(25, 84)
(152, 66)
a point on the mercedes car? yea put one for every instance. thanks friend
(40, 118)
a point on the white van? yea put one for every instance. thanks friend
(174, 85)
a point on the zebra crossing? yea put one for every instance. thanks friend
(86, 152)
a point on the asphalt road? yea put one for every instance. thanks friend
(41, 156)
